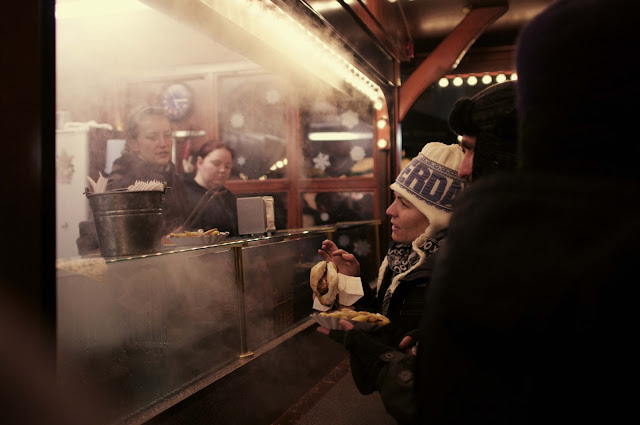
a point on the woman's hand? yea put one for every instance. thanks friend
(346, 263)
(344, 324)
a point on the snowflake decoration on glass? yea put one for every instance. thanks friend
(349, 119)
(321, 161)
(361, 248)
(357, 153)
(272, 97)
(344, 241)
(241, 160)
(237, 120)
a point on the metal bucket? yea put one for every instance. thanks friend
(127, 223)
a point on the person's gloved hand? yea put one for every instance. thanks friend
(409, 342)
(337, 335)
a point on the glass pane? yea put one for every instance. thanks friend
(361, 242)
(338, 138)
(253, 124)
(277, 292)
(147, 326)
(334, 207)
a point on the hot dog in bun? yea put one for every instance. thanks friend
(324, 282)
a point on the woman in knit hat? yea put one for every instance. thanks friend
(424, 194)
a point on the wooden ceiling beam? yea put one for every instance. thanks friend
(447, 55)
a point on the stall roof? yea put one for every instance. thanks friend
(412, 29)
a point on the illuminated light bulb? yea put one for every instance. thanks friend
(443, 82)
(285, 161)
(486, 79)
(382, 122)
(382, 143)
(472, 81)
(457, 81)
(279, 164)
(459, 138)
(377, 105)
(273, 167)
(514, 76)
(501, 78)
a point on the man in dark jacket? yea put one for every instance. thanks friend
(530, 314)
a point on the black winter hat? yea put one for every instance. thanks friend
(491, 117)
(578, 88)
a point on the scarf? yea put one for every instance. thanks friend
(401, 258)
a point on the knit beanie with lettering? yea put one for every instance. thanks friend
(490, 116)
(578, 89)
(431, 183)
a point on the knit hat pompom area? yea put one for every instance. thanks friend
(431, 183)
(490, 111)
(490, 116)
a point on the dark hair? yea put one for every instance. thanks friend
(210, 146)
(133, 127)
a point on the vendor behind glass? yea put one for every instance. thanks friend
(147, 156)
(213, 163)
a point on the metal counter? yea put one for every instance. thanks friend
(151, 330)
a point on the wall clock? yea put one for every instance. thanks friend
(177, 100)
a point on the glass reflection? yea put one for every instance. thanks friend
(253, 123)
(338, 139)
(335, 207)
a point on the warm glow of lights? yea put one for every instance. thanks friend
(382, 123)
(486, 79)
(443, 82)
(285, 161)
(472, 80)
(514, 76)
(501, 78)
(279, 164)
(382, 144)
(457, 81)
(335, 136)
(268, 22)
(84, 9)
(377, 105)
(459, 138)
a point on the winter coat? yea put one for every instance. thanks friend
(532, 308)
(376, 363)
(408, 288)
(221, 212)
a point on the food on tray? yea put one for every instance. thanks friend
(324, 282)
(357, 316)
(200, 232)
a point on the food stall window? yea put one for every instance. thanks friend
(337, 139)
(321, 208)
(252, 111)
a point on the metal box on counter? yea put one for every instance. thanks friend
(255, 215)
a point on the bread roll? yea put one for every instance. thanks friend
(324, 282)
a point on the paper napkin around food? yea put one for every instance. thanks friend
(349, 291)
